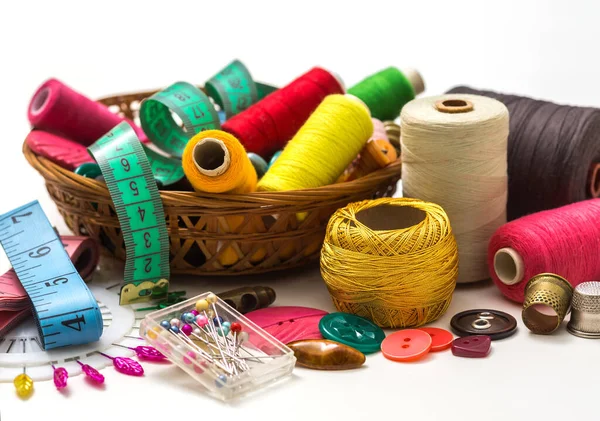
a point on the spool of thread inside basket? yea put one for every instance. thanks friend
(323, 147)
(58, 109)
(388, 90)
(266, 126)
(367, 241)
(454, 154)
(564, 241)
(215, 162)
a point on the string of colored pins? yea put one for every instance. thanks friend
(222, 339)
(24, 384)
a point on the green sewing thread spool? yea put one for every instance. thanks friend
(387, 91)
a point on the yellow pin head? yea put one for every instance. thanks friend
(24, 385)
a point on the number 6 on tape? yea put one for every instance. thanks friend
(66, 312)
(139, 208)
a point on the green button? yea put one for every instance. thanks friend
(353, 331)
(259, 164)
(89, 170)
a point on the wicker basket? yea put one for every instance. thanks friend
(280, 230)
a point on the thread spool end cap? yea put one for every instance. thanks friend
(40, 100)
(211, 157)
(415, 79)
(509, 266)
(453, 105)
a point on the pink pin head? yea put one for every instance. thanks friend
(201, 320)
(187, 329)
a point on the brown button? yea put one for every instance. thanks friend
(321, 354)
(493, 323)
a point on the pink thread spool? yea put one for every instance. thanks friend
(564, 241)
(58, 109)
(378, 130)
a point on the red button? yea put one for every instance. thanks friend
(441, 339)
(406, 345)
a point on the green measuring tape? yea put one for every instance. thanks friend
(139, 208)
(166, 170)
(190, 104)
(232, 88)
(263, 90)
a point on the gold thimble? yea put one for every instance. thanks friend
(547, 302)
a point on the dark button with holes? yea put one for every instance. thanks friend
(493, 323)
(353, 331)
(477, 346)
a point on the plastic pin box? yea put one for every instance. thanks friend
(265, 359)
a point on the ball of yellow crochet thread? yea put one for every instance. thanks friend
(324, 146)
(393, 261)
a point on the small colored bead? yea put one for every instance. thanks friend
(198, 369)
(211, 298)
(175, 322)
(174, 329)
(189, 356)
(242, 337)
(210, 313)
(197, 331)
(220, 382)
(188, 317)
(236, 327)
(223, 331)
(218, 321)
(194, 312)
(152, 334)
(187, 329)
(201, 305)
(201, 320)
(165, 324)
(226, 324)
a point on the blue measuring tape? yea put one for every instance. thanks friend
(66, 312)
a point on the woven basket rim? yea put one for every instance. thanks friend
(53, 173)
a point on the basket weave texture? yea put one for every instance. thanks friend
(280, 230)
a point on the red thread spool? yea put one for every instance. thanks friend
(266, 126)
(564, 241)
(58, 109)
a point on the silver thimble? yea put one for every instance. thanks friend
(585, 311)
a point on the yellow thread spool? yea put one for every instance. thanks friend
(216, 162)
(323, 147)
(393, 261)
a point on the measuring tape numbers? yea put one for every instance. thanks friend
(189, 104)
(139, 208)
(232, 88)
(66, 312)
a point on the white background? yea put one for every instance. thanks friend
(542, 49)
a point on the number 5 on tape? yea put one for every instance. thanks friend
(133, 190)
(66, 312)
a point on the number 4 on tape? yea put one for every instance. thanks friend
(66, 311)
(137, 202)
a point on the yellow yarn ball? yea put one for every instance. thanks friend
(393, 261)
(324, 146)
